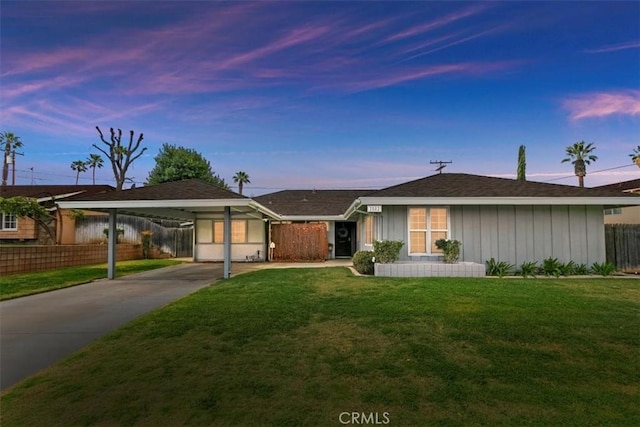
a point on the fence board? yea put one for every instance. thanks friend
(178, 241)
(300, 242)
(622, 242)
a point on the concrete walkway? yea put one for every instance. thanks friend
(38, 330)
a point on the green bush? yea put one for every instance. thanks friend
(529, 268)
(498, 268)
(604, 269)
(581, 269)
(552, 267)
(450, 249)
(387, 251)
(363, 262)
(568, 269)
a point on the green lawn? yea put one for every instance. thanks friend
(296, 347)
(19, 285)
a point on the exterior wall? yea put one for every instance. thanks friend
(239, 251)
(209, 251)
(15, 259)
(629, 215)
(514, 234)
(66, 233)
(27, 230)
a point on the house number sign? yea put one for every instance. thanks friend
(374, 208)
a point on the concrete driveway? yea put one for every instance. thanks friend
(38, 330)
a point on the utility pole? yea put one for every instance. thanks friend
(441, 164)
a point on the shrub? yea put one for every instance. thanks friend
(551, 267)
(529, 269)
(604, 269)
(581, 269)
(387, 251)
(498, 268)
(363, 262)
(450, 249)
(567, 269)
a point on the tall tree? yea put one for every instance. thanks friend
(78, 166)
(95, 161)
(9, 142)
(120, 156)
(175, 163)
(635, 156)
(522, 163)
(241, 178)
(579, 154)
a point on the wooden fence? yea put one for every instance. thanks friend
(299, 242)
(622, 242)
(167, 236)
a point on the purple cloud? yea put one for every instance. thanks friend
(602, 104)
(614, 48)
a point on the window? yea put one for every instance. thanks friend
(368, 230)
(8, 222)
(614, 211)
(426, 225)
(238, 231)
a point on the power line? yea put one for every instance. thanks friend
(592, 172)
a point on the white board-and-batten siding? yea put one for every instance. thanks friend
(511, 233)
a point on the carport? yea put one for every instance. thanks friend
(185, 200)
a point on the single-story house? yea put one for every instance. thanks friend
(623, 215)
(14, 229)
(509, 220)
(505, 219)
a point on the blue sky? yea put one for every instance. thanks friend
(325, 94)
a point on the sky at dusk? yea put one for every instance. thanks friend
(325, 94)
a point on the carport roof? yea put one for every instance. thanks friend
(179, 200)
(188, 189)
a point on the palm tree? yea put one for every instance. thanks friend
(10, 142)
(522, 163)
(635, 156)
(78, 166)
(579, 154)
(95, 161)
(241, 178)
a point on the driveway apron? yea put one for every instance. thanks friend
(38, 330)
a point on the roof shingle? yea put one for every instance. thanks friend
(467, 185)
(310, 202)
(188, 189)
(40, 191)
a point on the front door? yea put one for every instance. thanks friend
(345, 238)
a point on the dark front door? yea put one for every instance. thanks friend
(345, 239)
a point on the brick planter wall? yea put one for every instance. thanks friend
(32, 258)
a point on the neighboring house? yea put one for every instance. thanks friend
(623, 215)
(505, 219)
(25, 229)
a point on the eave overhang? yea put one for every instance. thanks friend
(573, 201)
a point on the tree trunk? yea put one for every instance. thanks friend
(5, 165)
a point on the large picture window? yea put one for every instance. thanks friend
(8, 222)
(242, 231)
(426, 225)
